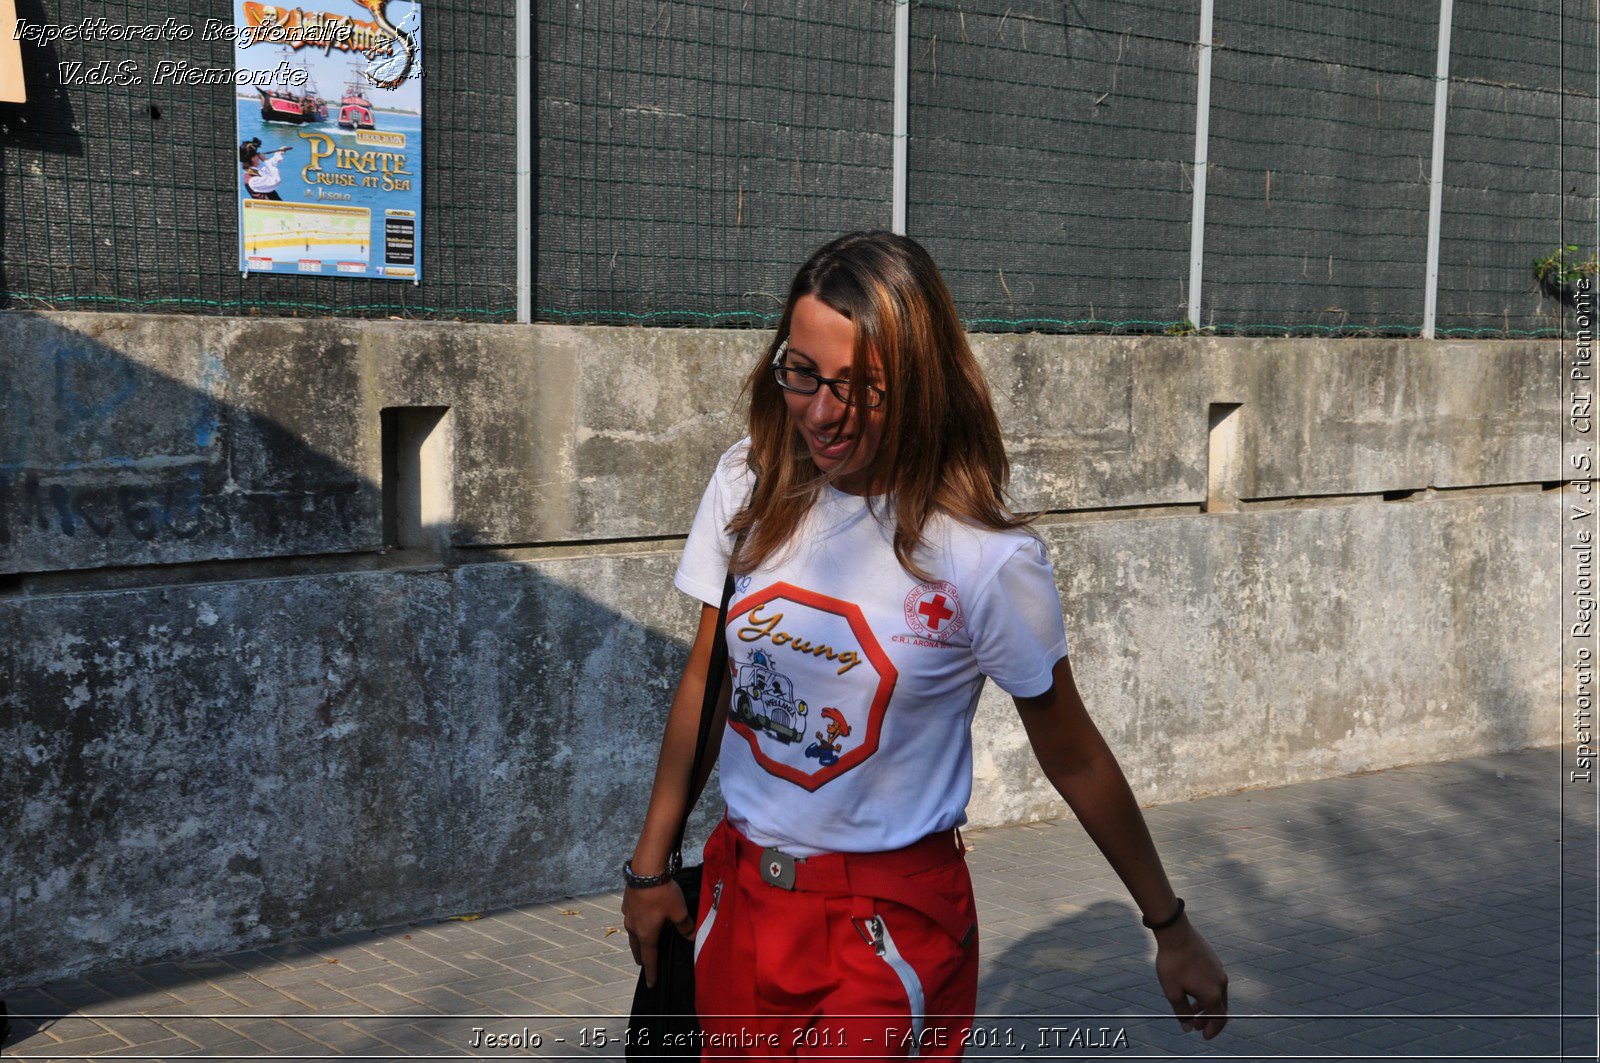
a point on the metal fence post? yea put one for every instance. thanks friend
(1202, 133)
(902, 71)
(524, 161)
(1441, 93)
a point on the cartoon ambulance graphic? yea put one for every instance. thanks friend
(763, 698)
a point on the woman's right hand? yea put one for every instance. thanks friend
(646, 915)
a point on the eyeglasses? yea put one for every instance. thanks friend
(806, 382)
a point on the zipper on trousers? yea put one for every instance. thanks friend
(701, 934)
(877, 935)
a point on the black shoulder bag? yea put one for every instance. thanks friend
(663, 1023)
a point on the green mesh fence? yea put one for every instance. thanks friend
(1520, 168)
(1050, 156)
(692, 154)
(1321, 146)
(687, 156)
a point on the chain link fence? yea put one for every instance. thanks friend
(688, 155)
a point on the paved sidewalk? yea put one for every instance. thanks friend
(1412, 912)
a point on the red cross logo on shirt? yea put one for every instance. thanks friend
(933, 611)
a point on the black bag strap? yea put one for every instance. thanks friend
(716, 675)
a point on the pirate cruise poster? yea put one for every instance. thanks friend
(329, 107)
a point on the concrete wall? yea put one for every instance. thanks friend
(236, 715)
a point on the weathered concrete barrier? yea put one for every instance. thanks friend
(248, 700)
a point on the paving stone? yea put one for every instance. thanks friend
(33, 1032)
(89, 1046)
(362, 960)
(33, 1001)
(349, 1038)
(471, 987)
(616, 997)
(121, 984)
(586, 948)
(343, 979)
(75, 1027)
(512, 951)
(291, 954)
(165, 1048)
(416, 961)
(493, 933)
(410, 984)
(471, 965)
(1320, 897)
(136, 1031)
(323, 998)
(310, 1025)
(373, 996)
(561, 1004)
(274, 1034)
(200, 996)
(417, 1039)
(199, 1031)
(598, 971)
(209, 1002)
(77, 993)
(164, 975)
(566, 983)
(251, 993)
(447, 1001)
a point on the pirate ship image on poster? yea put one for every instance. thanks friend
(330, 138)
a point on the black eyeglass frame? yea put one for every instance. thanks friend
(872, 391)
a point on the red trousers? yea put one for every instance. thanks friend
(868, 956)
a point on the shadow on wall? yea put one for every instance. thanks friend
(222, 754)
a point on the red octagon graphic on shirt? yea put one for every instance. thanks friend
(810, 684)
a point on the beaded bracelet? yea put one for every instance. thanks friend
(644, 882)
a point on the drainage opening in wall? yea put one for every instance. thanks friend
(1223, 460)
(418, 451)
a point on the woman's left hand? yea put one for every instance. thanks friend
(1192, 979)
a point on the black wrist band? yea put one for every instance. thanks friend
(1168, 921)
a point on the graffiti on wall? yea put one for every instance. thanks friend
(103, 449)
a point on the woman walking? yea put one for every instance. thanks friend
(880, 579)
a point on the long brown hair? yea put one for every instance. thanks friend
(941, 449)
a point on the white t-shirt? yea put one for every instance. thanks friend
(853, 683)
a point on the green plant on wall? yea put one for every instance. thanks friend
(1558, 273)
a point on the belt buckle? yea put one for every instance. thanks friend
(777, 868)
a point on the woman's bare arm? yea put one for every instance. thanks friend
(1079, 764)
(646, 912)
(671, 788)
